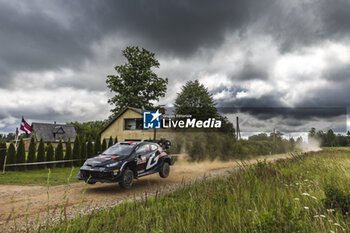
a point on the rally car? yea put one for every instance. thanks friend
(127, 160)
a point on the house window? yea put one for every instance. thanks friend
(133, 124)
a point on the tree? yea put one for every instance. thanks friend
(76, 151)
(89, 148)
(50, 155)
(59, 153)
(32, 153)
(68, 155)
(330, 138)
(104, 145)
(11, 156)
(195, 100)
(41, 153)
(89, 129)
(97, 146)
(110, 141)
(21, 154)
(136, 84)
(2, 152)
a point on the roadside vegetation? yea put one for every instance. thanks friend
(308, 193)
(39, 177)
(215, 145)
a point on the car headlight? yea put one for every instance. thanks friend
(112, 164)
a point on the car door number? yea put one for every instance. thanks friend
(152, 161)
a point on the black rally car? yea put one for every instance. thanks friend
(125, 161)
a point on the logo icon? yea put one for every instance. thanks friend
(151, 120)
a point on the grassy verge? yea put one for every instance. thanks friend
(38, 177)
(304, 194)
(344, 148)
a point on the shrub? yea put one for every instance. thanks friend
(68, 155)
(2, 152)
(76, 151)
(11, 156)
(32, 153)
(59, 153)
(50, 155)
(89, 148)
(97, 146)
(41, 153)
(21, 154)
(83, 151)
(104, 145)
(110, 141)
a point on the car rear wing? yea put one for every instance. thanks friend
(165, 144)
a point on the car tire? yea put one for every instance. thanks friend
(164, 170)
(126, 179)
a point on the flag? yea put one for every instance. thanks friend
(26, 127)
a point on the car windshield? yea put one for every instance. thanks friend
(119, 149)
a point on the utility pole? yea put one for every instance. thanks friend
(238, 133)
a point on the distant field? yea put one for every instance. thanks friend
(336, 148)
(39, 177)
(304, 194)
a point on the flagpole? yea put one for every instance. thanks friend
(17, 134)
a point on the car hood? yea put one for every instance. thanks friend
(103, 160)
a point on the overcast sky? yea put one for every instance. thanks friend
(55, 55)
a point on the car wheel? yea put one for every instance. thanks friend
(126, 179)
(164, 170)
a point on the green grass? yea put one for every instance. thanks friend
(38, 177)
(344, 148)
(286, 196)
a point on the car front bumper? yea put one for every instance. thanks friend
(99, 175)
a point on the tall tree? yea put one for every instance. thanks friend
(50, 155)
(32, 153)
(330, 138)
(76, 151)
(41, 153)
(195, 100)
(104, 145)
(21, 154)
(97, 146)
(68, 155)
(11, 156)
(89, 148)
(136, 84)
(2, 152)
(110, 141)
(59, 153)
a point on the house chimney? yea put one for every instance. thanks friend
(162, 109)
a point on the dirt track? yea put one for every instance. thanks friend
(97, 195)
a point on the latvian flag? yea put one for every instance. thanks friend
(26, 127)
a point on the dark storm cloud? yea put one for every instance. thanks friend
(31, 41)
(264, 113)
(250, 71)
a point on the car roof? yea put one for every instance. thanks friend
(137, 143)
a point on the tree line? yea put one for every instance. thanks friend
(329, 138)
(81, 150)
